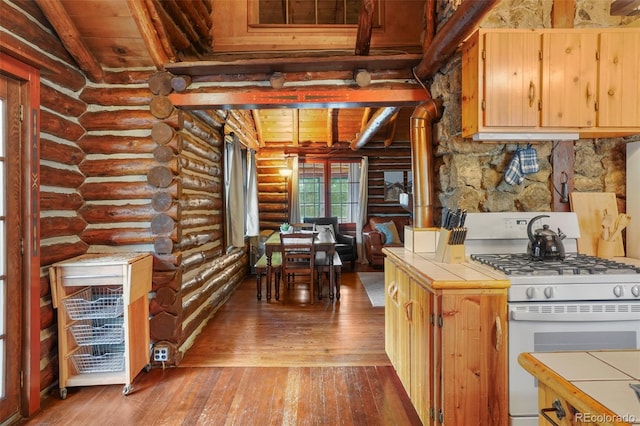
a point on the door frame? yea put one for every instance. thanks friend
(30, 77)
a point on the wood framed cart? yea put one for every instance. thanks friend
(103, 318)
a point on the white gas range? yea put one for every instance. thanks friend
(576, 303)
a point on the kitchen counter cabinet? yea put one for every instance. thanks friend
(445, 334)
(592, 387)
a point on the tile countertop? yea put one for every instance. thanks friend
(594, 382)
(439, 275)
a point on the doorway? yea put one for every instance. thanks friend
(19, 239)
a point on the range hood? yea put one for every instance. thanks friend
(525, 136)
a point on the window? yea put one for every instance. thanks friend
(310, 12)
(329, 188)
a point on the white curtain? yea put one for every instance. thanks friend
(294, 206)
(364, 200)
(252, 218)
(235, 194)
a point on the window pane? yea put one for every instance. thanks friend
(311, 12)
(311, 190)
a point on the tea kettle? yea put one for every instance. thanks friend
(543, 242)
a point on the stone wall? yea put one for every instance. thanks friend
(470, 174)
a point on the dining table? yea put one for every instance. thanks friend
(326, 245)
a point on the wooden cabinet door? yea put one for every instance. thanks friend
(569, 79)
(404, 329)
(511, 79)
(473, 351)
(619, 84)
(391, 313)
(421, 310)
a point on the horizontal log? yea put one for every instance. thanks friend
(197, 183)
(160, 83)
(200, 202)
(274, 217)
(160, 176)
(60, 201)
(112, 144)
(123, 167)
(220, 268)
(190, 164)
(161, 107)
(273, 207)
(201, 130)
(192, 240)
(163, 201)
(199, 220)
(58, 126)
(163, 245)
(209, 118)
(123, 120)
(118, 236)
(272, 197)
(127, 76)
(171, 279)
(50, 254)
(167, 300)
(61, 178)
(116, 96)
(93, 213)
(198, 258)
(162, 224)
(165, 327)
(179, 83)
(61, 103)
(58, 71)
(59, 152)
(92, 191)
(163, 154)
(61, 226)
(167, 262)
(193, 146)
(162, 132)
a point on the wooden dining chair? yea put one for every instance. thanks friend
(298, 260)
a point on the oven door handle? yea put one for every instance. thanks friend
(573, 316)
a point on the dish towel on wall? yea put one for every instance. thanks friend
(523, 162)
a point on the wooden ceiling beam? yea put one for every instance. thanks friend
(365, 27)
(301, 97)
(70, 37)
(154, 36)
(460, 25)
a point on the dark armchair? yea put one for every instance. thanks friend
(345, 244)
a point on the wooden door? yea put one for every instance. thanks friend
(619, 84)
(569, 79)
(421, 351)
(511, 79)
(11, 284)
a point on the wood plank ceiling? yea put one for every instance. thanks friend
(115, 34)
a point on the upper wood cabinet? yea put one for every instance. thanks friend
(619, 88)
(551, 81)
(569, 79)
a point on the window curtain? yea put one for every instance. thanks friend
(294, 206)
(364, 201)
(235, 194)
(253, 217)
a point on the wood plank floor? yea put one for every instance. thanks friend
(261, 363)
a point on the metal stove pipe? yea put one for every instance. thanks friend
(422, 160)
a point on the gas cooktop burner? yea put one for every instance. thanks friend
(573, 264)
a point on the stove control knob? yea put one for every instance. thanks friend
(618, 291)
(635, 290)
(531, 292)
(548, 292)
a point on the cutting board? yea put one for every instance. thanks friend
(590, 207)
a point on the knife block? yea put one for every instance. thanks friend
(449, 253)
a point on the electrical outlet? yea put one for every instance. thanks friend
(160, 353)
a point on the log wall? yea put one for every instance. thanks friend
(111, 183)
